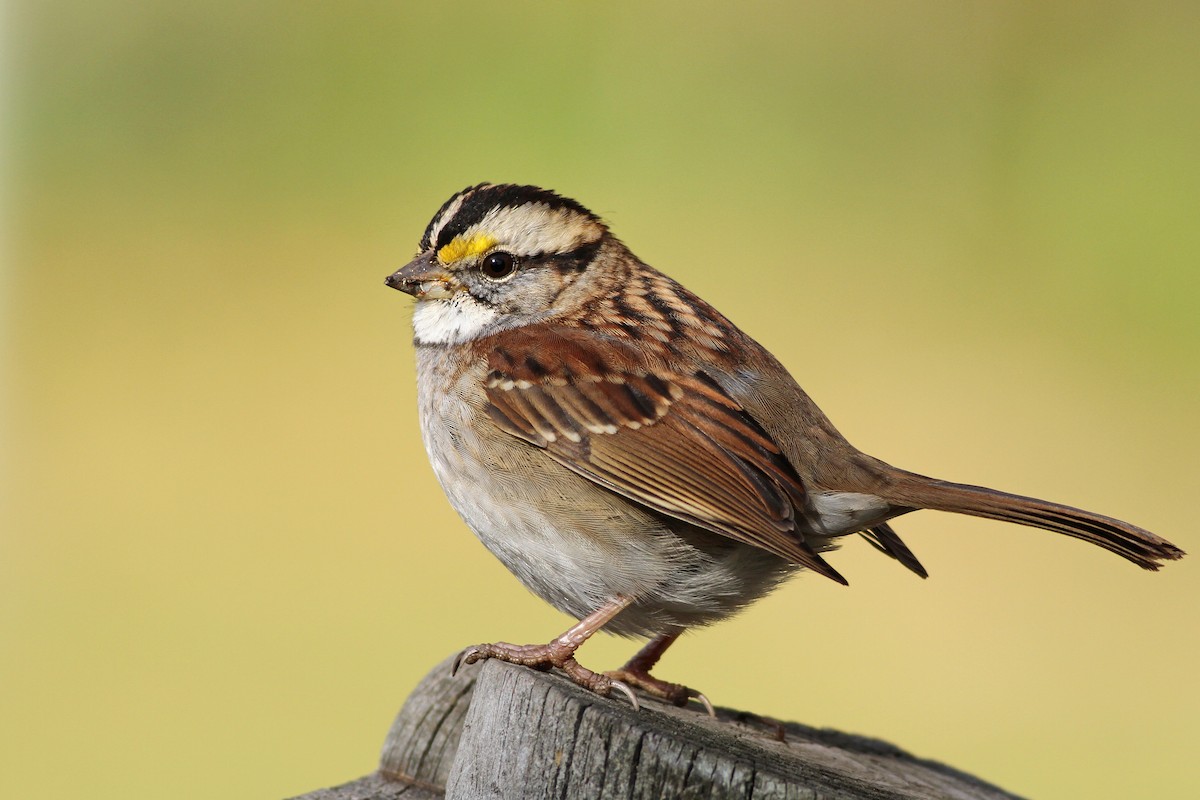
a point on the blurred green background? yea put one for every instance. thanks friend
(969, 229)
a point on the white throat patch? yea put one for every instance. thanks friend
(454, 320)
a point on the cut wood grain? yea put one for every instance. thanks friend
(501, 731)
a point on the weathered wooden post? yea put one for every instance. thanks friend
(502, 731)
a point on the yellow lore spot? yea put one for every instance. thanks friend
(460, 248)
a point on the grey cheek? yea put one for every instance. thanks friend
(524, 294)
(486, 294)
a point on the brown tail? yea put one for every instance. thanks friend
(1128, 541)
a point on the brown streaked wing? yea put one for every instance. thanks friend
(674, 442)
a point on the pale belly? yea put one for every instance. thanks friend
(571, 542)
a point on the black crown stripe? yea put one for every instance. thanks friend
(424, 245)
(482, 198)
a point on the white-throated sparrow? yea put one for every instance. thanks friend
(631, 456)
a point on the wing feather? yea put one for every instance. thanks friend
(671, 440)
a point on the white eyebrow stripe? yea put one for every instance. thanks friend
(451, 210)
(536, 228)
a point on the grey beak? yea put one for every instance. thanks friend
(420, 272)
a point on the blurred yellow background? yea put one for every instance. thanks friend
(969, 229)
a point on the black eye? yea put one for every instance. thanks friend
(498, 265)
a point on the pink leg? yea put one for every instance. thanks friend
(560, 652)
(637, 673)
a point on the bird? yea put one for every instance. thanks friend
(634, 458)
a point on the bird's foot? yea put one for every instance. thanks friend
(544, 657)
(675, 693)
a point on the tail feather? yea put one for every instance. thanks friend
(886, 540)
(1128, 541)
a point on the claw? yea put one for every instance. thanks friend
(633, 701)
(707, 705)
(458, 660)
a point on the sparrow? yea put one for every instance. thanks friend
(633, 457)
